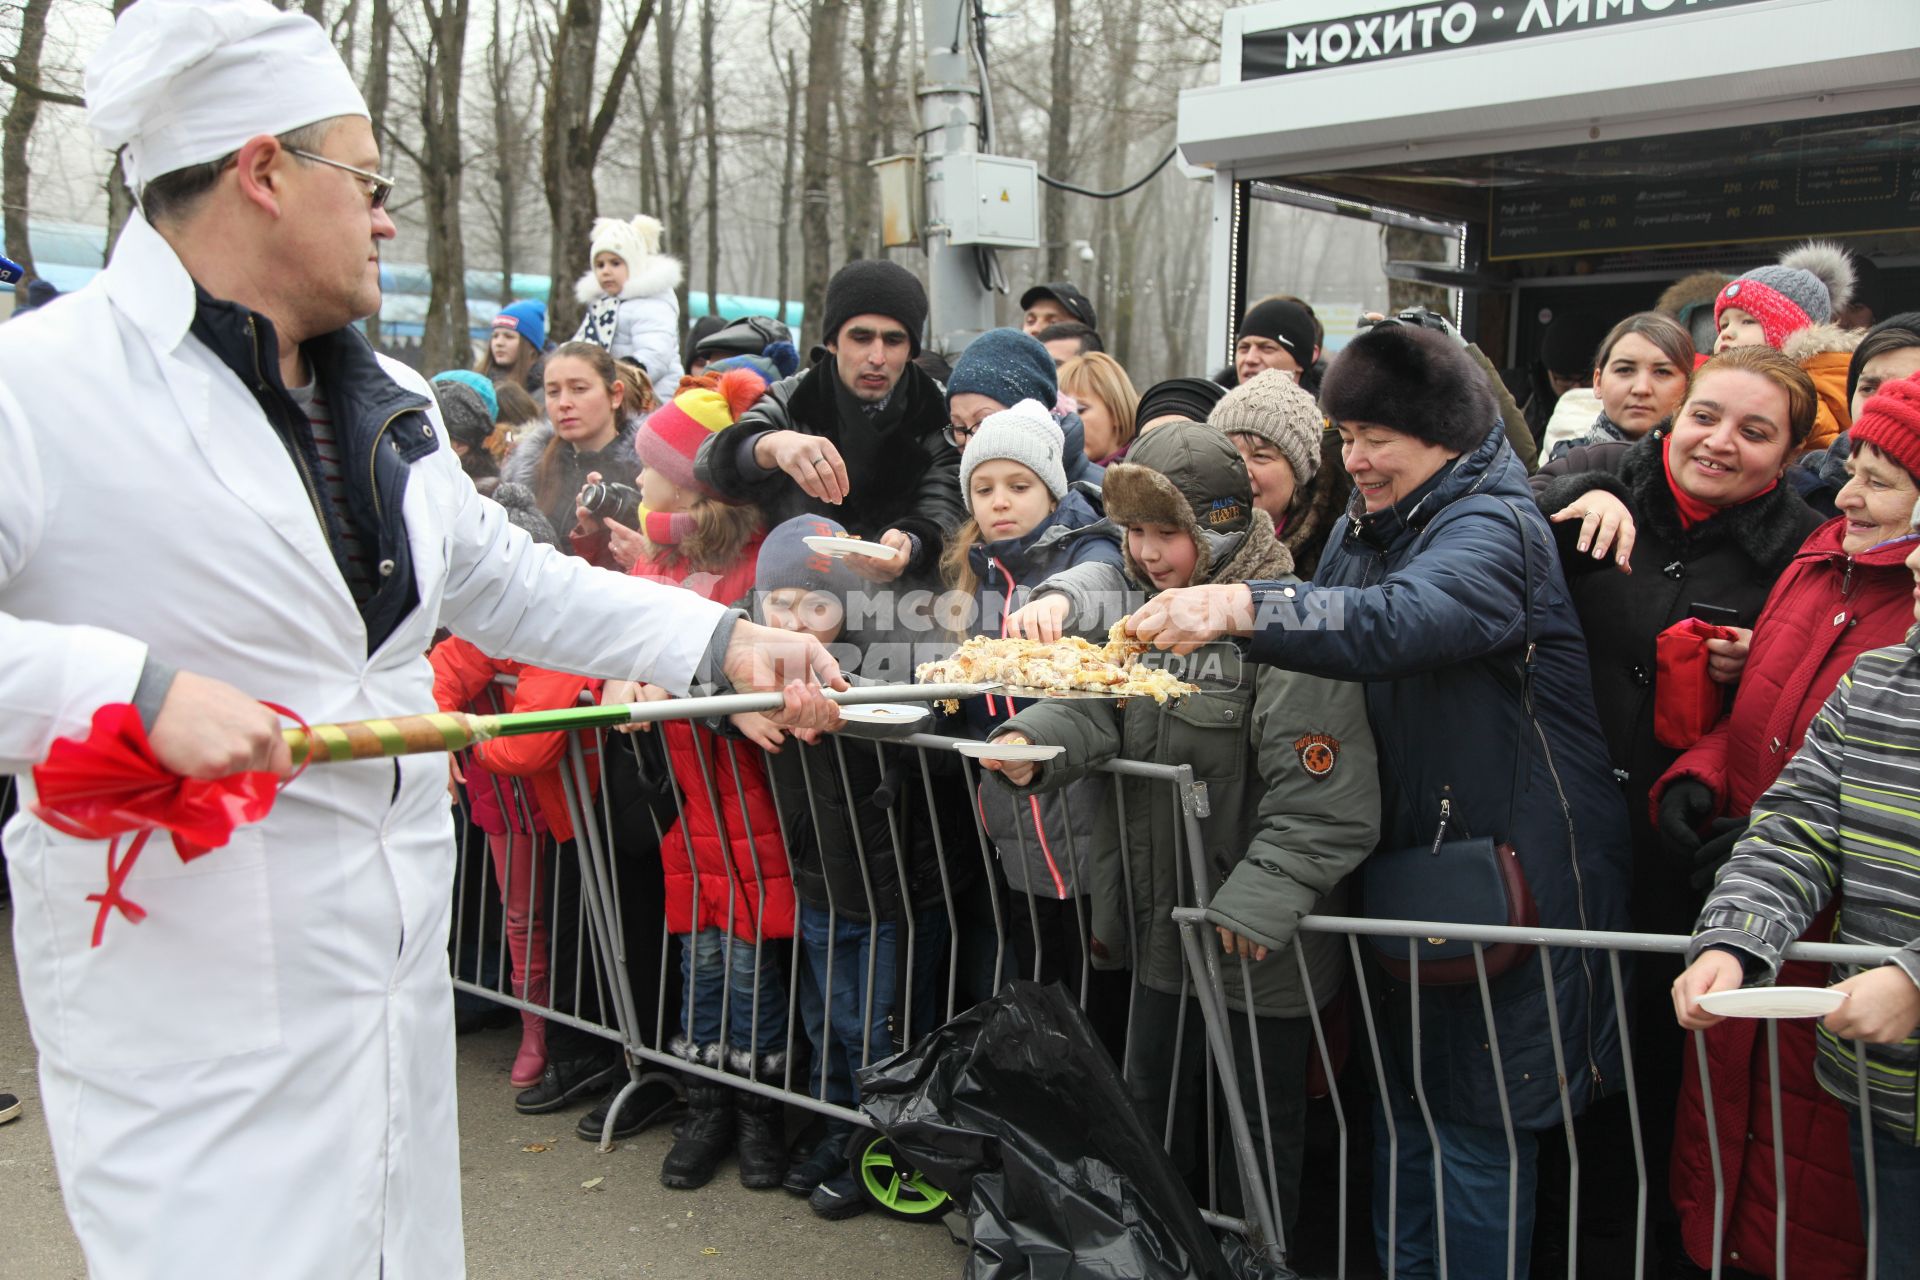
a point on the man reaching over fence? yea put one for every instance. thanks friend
(210, 472)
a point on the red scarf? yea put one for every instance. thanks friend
(1692, 510)
(666, 528)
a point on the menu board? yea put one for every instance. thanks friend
(1843, 174)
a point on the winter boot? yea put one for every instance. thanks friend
(527, 949)
(530, 1063)
(762, 1121)
(705, 1137)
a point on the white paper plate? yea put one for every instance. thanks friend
(1774, 1002)
(884, 712)
(827, 545)
(1007, 751)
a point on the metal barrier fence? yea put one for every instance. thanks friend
(1195, 926)
(984, 930)
(973, 929)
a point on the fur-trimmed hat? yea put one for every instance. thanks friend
(1690, 300)
(1807, 286)
(631, 241)
(672, 434)
(1187, 475)
(1277, 409)
(1414, 380)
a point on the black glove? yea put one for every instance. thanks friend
(1684, 809)
(1715, 850)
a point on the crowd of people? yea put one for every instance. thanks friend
(1632, 588)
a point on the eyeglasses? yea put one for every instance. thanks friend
(958, 436)
(377, 195)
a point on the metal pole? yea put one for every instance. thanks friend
(960, 307)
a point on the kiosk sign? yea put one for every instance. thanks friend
(1452, 24)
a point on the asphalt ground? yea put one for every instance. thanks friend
(564, 1211)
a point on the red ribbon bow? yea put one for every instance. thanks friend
(112, 783)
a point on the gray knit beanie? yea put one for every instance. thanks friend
(464, 413)
(1026, 434)
(1275, 408)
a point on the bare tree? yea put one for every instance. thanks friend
(572, 132)
(1059, 136)
(677, 201)
(28, 94)
(440, 161)
(861, 198)
(827, 17)
(511, 143)
(790, 153)
(376, 88)
(709, 110)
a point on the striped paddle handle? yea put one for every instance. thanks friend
(401, 736)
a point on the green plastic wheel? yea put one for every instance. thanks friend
(889, 1183)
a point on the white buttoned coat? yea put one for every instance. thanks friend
(258, 1079)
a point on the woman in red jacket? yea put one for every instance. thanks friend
(727, 879)
(518, 841)
(1846, 592)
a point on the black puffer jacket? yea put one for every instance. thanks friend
(840, 828)
(902, 472)
(1731, 560)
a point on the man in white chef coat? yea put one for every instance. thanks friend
(218, 496)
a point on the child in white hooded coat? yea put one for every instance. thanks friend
(632, 309)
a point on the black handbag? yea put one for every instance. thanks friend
(1470, 881)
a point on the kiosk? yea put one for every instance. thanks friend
(1579, 154)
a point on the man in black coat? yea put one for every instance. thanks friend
(860, 431)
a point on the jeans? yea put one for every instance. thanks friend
(719, 969)
(1475, 1172)
(834, 1014)
(1896, 1171)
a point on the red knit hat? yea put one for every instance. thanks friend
(672, 434)
(1890, 422)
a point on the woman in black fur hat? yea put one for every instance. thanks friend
(1434, 591)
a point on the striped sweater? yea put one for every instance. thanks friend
(1843, 816)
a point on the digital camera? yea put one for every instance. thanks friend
(617, 502)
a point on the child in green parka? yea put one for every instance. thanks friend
(1293, 804)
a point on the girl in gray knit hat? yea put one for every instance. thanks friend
(1025, 523)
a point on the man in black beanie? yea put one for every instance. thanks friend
(1276, 333)
(857, 434)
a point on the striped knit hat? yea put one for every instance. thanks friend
(672, 434)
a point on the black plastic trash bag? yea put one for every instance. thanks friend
(1015, 1109)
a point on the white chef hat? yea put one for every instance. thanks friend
(182, 82)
